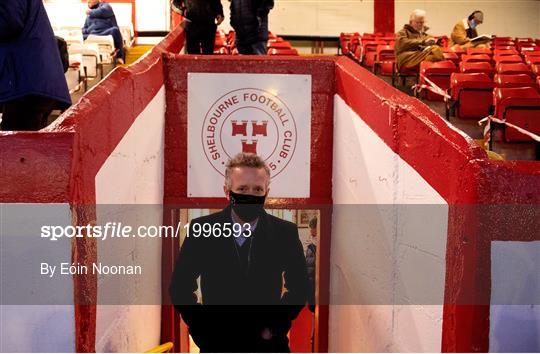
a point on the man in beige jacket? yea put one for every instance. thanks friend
(465, 30)
(413, 45)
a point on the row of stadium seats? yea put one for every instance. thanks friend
(225, 44)
(503, 80)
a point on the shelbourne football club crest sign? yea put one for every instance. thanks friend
(265, 114)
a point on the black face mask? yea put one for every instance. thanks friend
(248, 207)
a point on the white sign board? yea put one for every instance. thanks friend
(267, 114)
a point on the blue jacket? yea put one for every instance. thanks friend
(30, 61)
(249, 18)
(100, 18)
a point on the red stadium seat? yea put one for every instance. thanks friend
(453, 57)
(344, 40)
(384, 60)
(516, 80)
(438, 73)
(282, 51)
(280, 45)
(513, 68)
(506, 51)
(476, 58)
(481, 67)
(507, 59)
(471, 95)
(535, 69)
(458, 50)
(369, 50)
(472, 51)
(519, 106)
(532, 60)
(404, 73)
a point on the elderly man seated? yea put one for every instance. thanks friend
(101, 21)
(465, 30)
(413, 45)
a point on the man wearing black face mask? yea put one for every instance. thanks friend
(244, 265)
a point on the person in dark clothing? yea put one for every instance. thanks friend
(32, 81)
(242, 277)
(201, 20)
(249, 18)
(311, 262)
(101, 21)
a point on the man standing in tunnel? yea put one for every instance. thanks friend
(252, 269)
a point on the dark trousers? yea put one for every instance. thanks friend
(200, 38)
(26, 113)
(257, 48)
(118, 41)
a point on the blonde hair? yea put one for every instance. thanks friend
(244, 160)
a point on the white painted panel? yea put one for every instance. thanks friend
(69, 13)
(515, 297)
(517, 18)
(37, 315)
(152, 15)
(129, 189)
(388, 251)
(321, 18)
(269, 114)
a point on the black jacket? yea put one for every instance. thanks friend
(200, 11)
(249, 18)
(239, 303)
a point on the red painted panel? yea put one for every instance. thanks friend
(35, 167)
(383, 16)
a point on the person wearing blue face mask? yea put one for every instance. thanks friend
(251, 265)
(465, 30)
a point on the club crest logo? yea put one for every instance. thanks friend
(249, 120)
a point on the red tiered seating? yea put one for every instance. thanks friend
(514, 68)
(517, 80)
(481, 67)
(506, 51)
(453, 57)
(507, 59)
(473, 51)
(385, 60)
(282, 51)
(438, 73)
(476, 58)
(471, 95)
(519, 106)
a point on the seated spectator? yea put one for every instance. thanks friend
(413, 45)
(32, 81)
(101, 21)
(465, 30)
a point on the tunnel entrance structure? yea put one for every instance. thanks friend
(408, 204)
